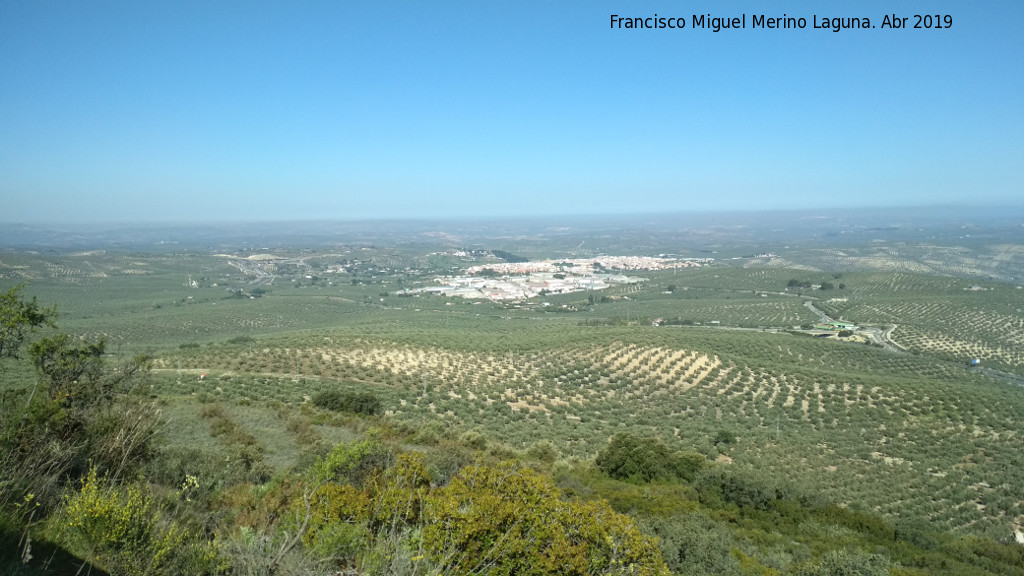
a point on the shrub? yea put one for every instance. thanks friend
(430, 433)
(725, 437)
(399, 493)
(123, 530)
(335, 505)
(354, 462)
(364, 403)
(513, 521)
(474, 438)
(443, 465)
(636, 459)
(71, 418)
(842, 562)
(694, 544)
(543, 450)
(743, 489)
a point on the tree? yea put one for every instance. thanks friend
(365, 403)
(725, 437)
(694, 544)
(846, 563)
(543, 450)
(68, 368)
(19, 318)
(51, 431)
(76, 375)
(636, 459)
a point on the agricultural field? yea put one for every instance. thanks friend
(990, 261)
(950, 318)
(253, 329)
(847, 423)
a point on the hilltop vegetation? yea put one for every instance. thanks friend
(79, 474)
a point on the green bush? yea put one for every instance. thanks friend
(430, 433)
(354, 462)
(364, 403)
(636, 459)
(725, 437)
(543, 450)
(846, 563)
(695, 545)
(475, 438)
(744, 489)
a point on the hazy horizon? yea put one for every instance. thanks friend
(1006, 210)
(949, 225)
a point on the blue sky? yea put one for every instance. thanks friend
(215, 111)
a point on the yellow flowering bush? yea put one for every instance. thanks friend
(506, 520)
(399, 492)
(500, 519)
(335, 504)
(122, 530)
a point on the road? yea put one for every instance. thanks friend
(877, 334)
(883, 337)
(262, 277)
